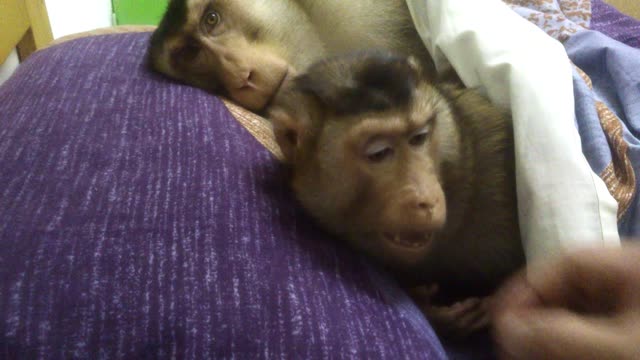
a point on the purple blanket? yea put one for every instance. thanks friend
(138, 219)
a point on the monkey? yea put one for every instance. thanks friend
(416, 174)
(246, 49)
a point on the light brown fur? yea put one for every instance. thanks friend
(259, 44)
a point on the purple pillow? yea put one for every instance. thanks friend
(139, 219)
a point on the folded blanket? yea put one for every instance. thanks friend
(576, 131)
(607, 101)
(562, 202)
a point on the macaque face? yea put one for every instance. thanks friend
(230, 47)
(378, 183)
(371, 171)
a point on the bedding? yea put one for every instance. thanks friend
(139, 219)
(568, 197)
(606, 84)
(575, 99)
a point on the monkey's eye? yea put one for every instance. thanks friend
(378, 151)
(420, 137)
(211, 19)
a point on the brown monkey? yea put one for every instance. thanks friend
(418, 176)
(246, 49)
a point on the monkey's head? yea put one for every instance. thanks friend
(243, 49)
(367, 139)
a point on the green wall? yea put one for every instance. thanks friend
(139, 12)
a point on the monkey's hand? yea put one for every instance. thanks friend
(457, 320)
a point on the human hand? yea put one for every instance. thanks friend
(584, 305)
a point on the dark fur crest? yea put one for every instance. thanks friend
(379, 82)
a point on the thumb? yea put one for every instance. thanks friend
(559, 334)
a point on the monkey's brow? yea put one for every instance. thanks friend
(420, 120)
(197, 10)
(206, 7)
(421, 113)
(390, 126)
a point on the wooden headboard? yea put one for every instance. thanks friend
(629, 7)
(24, 25)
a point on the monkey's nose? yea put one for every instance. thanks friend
(423, 205)
(247, 81)
(425, 213)
(419, 209)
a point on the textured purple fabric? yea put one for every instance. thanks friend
(138, 219)
(611, 22)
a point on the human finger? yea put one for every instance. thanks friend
(560, 334)
(591, 281)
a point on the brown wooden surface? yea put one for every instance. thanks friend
(14, 23)
(26, 46)
(23, 24)
(39, 22)
(629, 7)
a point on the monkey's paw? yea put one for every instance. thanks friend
(458, 320)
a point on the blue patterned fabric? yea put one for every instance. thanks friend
(139, 219)
(614, 72)
(606, 89)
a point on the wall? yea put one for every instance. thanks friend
(9, 66)
(72, 16)
(68, 17)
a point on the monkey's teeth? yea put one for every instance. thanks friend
(412, 240)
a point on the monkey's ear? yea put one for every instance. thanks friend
(288, 130)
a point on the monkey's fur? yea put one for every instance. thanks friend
(419, 176)
(246, 49)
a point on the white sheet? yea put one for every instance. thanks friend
(563, 205)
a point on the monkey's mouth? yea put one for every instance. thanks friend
(410, 240)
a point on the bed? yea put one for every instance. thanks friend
(141, 218)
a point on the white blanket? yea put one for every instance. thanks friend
(562, 204)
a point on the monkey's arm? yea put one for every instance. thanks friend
(458, 319)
